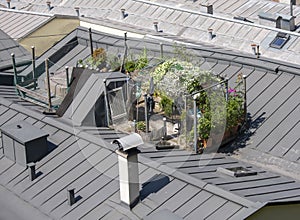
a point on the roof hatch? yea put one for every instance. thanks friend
(236, 171)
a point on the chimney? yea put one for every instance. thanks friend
(8, 3)
(49, 5)
(155, 24)
(209, 8)
(77, 11)
(23, 143)
(128, 168)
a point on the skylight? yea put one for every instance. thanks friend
(280, 40)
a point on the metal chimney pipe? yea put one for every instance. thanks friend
(253, 46)
(128, 168)
(123, 14)
(210, 34)
(292, 2)
(71, 196)
(209, 8)
(161, 50)
(31, 171)
(8, 3)
(49, 5)
(77, 11)
(155, 24)
(257, 51)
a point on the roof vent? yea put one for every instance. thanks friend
(236, 171)
(24, 143)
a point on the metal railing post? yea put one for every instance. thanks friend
(48, 83)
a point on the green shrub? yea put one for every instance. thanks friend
(166, 104)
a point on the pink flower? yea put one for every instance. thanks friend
(231, 90)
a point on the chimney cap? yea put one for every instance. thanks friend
(129, 142)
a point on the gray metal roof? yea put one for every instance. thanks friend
(186, 20)
(18, 24)
(7, 47)
(85, 162)
(230, 8)
(272, 91)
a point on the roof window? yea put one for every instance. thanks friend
(280, 40)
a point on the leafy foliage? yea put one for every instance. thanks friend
(166, 104)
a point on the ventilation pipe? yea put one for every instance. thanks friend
(49, 5)
(77, 11)
(31, 171)
(210, 34)
(8, 3)
(292, 2)
(155, 24)
(128, 168)
(253, 46)
(71, 196)
(123, 14)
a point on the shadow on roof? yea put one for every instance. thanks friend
(153, 185)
